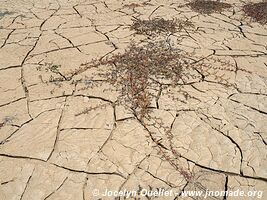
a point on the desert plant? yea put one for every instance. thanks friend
(208, 6)
(139, 68)
(140, 72)
(158, 26)
(257, 11)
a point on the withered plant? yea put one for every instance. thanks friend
(140, 67)
(157, 26)
(257, 11)
(208, 6)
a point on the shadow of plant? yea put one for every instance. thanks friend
(3, 13)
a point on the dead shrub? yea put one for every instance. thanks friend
(208, 7)
(140, 72)
(257, 11)
(141, 66)
(157, 26)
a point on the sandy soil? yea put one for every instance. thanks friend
(64, 139)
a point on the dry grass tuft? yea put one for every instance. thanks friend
(136, 5)
(257, 11)
(157, 26)
(208, 7)
(132, 5)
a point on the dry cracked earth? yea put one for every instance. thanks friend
(62, 136)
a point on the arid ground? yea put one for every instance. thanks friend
(123, 95)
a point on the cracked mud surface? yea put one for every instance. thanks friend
(61, 136)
